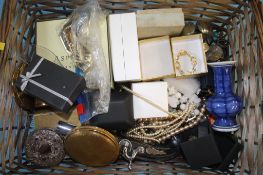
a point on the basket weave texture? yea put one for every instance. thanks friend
(241, 22)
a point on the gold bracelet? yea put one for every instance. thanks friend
(178, 65)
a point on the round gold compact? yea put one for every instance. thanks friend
(92, 146)
(22, 100)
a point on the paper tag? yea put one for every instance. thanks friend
(2, 46)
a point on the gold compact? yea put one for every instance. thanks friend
(22, 100)
(92, 146)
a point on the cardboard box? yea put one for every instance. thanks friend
(193, 45)
(156, 58)
(123, 41)
(50, 119)
(153, 91)
(160, 22)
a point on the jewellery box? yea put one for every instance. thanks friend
(156, 58)
(189, 55)
(124, 48)
(120, 114)
(23, 100)
(200, 149)
(161, 57)
(51, 83)
(157, 93)
(206, 147)
(159, 22)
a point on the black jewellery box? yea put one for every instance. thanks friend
(55, 85)
(208, 148)
(120, 114)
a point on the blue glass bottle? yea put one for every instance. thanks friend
(224, 105)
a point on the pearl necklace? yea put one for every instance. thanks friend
(157, 130)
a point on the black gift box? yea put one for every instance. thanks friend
(51, 83)
(120, 114)
(229, 148)
(202, 150)
(206, 147)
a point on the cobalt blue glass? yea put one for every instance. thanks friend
(224, 105)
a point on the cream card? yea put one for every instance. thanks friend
(49, 44)
(153, 91)
(156, 58)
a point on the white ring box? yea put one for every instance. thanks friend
(153, 91)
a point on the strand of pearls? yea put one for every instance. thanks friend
(159, 131)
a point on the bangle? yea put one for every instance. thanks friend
(178, 65)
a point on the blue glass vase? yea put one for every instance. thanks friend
(224, 105)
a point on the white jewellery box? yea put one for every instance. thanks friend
(156, 58)
(189, 55)
(124, 47)
(153, 91)
(160, 22)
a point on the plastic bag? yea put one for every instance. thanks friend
(83, 41)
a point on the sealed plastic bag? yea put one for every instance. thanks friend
(81, 37)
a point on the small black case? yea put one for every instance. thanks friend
(120, 114)
(209, 148)
(56, 78)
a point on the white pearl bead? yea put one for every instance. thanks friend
(178, 94)
(197, 100)
(173, 102)
(196, 112)
(171, 91)
(193, 97)
(183, 99)
(182, 106)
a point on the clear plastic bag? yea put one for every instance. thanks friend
(81, 37)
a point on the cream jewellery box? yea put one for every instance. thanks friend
(156, 58)
(181, 56)
(160, 22)
(124, 47)
(188, 55)
(153, 91)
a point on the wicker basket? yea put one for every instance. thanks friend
(241, 22)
